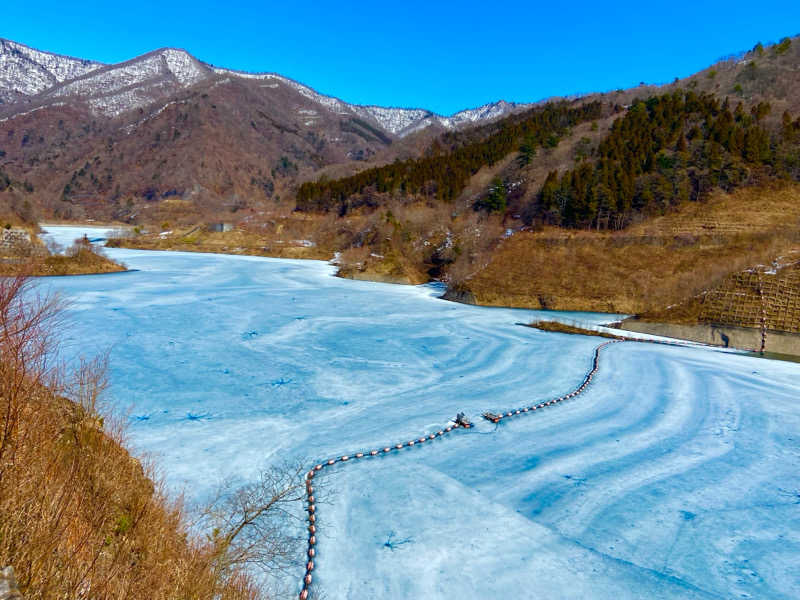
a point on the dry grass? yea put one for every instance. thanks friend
(557, 327)
(646, 268)
(283, 239)
(79, 517)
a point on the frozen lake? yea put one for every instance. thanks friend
(676, 475)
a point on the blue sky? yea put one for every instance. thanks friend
(444, 56)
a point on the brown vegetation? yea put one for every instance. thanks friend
(79, 516)
(556, 327)
(650, 266)
(80, 259)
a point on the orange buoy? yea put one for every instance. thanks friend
(312, 518)
(345, 458)
(312, 540)
(318, 467)
(311, 552)
(310, 566)
(359, 455)
(304, 595)
(312, 528)
(331, 461)
(373, 452)
(308, 579)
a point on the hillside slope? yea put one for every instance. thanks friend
(112, 141)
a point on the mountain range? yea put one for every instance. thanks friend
(104, 140)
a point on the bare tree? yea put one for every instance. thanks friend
(26, 345)
(258, 525)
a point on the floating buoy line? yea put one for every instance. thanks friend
(461, 422)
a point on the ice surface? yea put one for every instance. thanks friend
(675, 475)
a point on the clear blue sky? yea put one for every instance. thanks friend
(444, 56)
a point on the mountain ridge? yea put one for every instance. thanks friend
(61, 71)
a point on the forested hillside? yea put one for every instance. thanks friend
(445, 171)
(666, 150)
(647, 151)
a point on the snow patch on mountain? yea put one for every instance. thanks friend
(25, 71)
(184, 67)
(117, 89)
(398, 121)
(111, 90)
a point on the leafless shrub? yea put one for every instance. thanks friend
(256, 526)
(80, 517)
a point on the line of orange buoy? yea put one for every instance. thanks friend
(460, 423)
(497, 417)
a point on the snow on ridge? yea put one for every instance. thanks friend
(398, 121)
(137, 83)
(111, 90)
(26, 71)
(186, 69)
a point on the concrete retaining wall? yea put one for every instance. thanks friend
(744, 338)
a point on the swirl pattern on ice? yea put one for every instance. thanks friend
(676, 475)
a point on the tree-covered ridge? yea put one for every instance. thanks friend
(445, 172)
(666, 150)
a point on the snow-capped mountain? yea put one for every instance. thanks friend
(114, 140)
(115, 89)
(397, 121)
(26, 72)
(42, 78)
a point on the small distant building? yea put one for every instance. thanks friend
(220, 227)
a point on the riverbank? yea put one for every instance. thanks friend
(216, 351)
(84, 262)
(24, 253)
